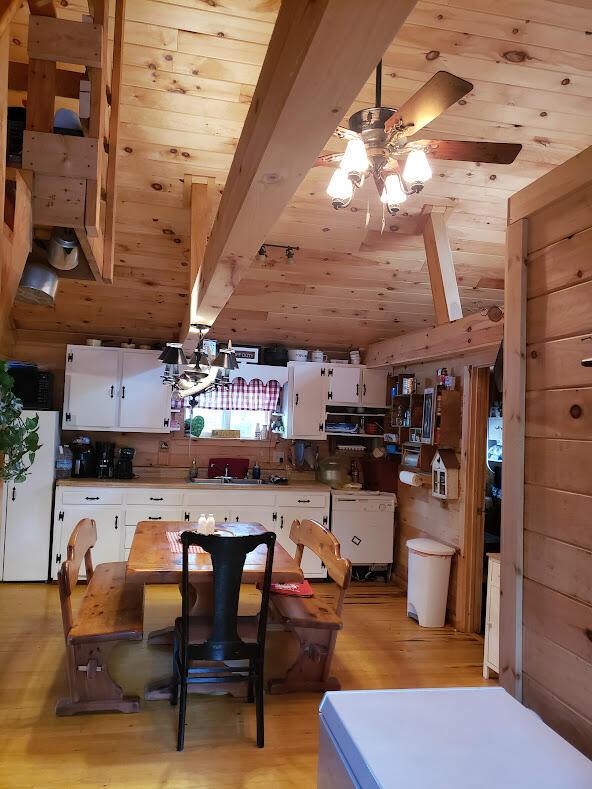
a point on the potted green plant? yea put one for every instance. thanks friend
(19, 438)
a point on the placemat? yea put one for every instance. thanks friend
(176, 546)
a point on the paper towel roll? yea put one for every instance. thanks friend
(409, 478)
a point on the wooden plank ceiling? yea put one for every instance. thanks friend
(189, 72)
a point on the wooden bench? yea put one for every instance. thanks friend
(314, 621)
(110, 612)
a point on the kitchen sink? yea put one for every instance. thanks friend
(228, 481)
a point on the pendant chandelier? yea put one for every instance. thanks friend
(202, 372)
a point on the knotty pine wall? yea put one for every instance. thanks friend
(557, 584)
(419, 513)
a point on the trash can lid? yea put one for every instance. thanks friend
(430, 547)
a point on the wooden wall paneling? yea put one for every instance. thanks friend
(472, 333)
(550, 363)
(113, 140)
(474, 440)
(559, 565)
(561, 264)
(304, 41)
(559, 514)
(560, 314)
(58, 201)
(560, 220)
(556, 463)
(513, 463)
(559, 413)
(445, 294)
(16, 244)
(558, 617)
(60, 154)
(575, 727)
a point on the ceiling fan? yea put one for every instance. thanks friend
(378, 139)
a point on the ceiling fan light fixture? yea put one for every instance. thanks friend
(340, 189)
(173, 354)
(393, 193)
(226, 359)
(262, 254)
(417, 168)
(355, 161)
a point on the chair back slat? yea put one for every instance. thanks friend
(228, 556)
(82, 539)
(310, 534)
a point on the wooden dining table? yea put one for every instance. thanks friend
(152, 561)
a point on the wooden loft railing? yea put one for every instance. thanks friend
(74, 177)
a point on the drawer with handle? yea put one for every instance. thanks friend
(92, 495)
(155, 497)
(156, 514)
(302, 498)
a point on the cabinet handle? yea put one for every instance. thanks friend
(92, 498)
(116, 521)
(156, 498)
(112, 391)
(303, 501)
(296, 401)
(123, 392)
(282, 522)
(357, 390)
(364, 391)
(155, 517)
(13, 493)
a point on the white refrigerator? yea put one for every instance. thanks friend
(27, 509)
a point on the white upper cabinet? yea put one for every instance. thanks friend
(343, 385)
(145, 402)
(373, 394)
(307, 391)
(115, 389)
(91, 388)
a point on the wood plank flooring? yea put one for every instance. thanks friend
(378, 648)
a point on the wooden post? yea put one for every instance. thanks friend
(110, 208)
(96, 126)
(513, 460)
(3, 123)
(441, 270)
(41, 81)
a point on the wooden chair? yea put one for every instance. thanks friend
(314, 622)
(225, 636)
(110, 612)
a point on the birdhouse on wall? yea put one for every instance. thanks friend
(445, 469)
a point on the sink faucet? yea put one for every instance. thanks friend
(226, 474)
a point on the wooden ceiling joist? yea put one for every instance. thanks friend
(319, 57)
(441, 269)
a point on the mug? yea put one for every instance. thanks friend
(296, 355)
(318, 356)
(354, 357)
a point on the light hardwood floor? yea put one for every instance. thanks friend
(378, 648)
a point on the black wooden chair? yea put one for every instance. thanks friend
(225, 636)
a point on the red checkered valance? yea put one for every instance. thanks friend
(242, 396)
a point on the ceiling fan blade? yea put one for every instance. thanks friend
(440, 92)
(346, 134)
(328, 160)
(459, 151)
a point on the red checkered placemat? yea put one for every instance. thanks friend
(175, 545)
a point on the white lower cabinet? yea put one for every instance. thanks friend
(117, 511)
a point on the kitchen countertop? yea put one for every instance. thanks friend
(150, 482)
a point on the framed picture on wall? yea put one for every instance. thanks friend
(429, 414)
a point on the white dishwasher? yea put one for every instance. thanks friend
(364, 523)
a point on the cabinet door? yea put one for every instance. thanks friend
(374, 388)
(221, 513)
(145, 401)
(311, 565)
(91, 388)
(308, 401)
(344, 385)
(110, 534)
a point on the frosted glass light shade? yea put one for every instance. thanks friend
(340, 187)
(417, 168)
(393, 193)
(354, 159)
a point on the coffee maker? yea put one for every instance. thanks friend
(105, 452)
(83, 464)
(124, 468)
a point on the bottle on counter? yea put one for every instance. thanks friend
(193, 469)
(210, 524)
(202, 524)
(257, 432)
(256, 471)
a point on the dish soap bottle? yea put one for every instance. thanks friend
(256, 471)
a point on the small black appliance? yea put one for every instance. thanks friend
(105, 453)
(32, 386)
(124, 468)
(83, 461)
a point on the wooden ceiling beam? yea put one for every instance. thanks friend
(319, 57)
(472, 333)
(67, 84)
(441, 269)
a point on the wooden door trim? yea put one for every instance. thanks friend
(475, 412)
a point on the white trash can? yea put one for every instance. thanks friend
(427, 581)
